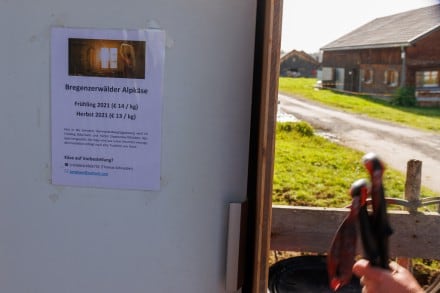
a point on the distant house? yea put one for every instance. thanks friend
(387, 53)
(298, 63)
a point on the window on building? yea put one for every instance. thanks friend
(109, 58)
(391, 77)
(427, 78)
(367, 75)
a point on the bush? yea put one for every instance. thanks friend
(404, 96)
(302, 127)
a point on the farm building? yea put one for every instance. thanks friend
(298, 63)
(400, 50)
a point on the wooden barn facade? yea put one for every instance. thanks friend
(401, 50)
(298, 64)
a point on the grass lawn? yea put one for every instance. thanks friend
(312, 171)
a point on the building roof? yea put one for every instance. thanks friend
(402, 29)
(300, 54)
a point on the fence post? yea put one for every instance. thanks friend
(413, 184)
(412, 195)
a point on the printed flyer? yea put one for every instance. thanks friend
(106, 106)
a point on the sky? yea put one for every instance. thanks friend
(311, 24)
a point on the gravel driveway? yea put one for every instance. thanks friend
(395, 144)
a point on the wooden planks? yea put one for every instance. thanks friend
(311, 229)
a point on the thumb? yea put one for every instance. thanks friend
(362, 268)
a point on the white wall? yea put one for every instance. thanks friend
(71, 239)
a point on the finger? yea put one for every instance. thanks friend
(394, 267)
(360, 267)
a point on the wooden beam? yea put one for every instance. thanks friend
(311, 229)
(262, 144)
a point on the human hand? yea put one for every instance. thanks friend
(378, 280)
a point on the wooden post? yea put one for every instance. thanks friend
(262, 146)
(413, 184)
(412, 195)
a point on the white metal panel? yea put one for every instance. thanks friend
(71, 239)
(327, 73)
(340, 78)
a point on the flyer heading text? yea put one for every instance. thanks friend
(106, 89)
